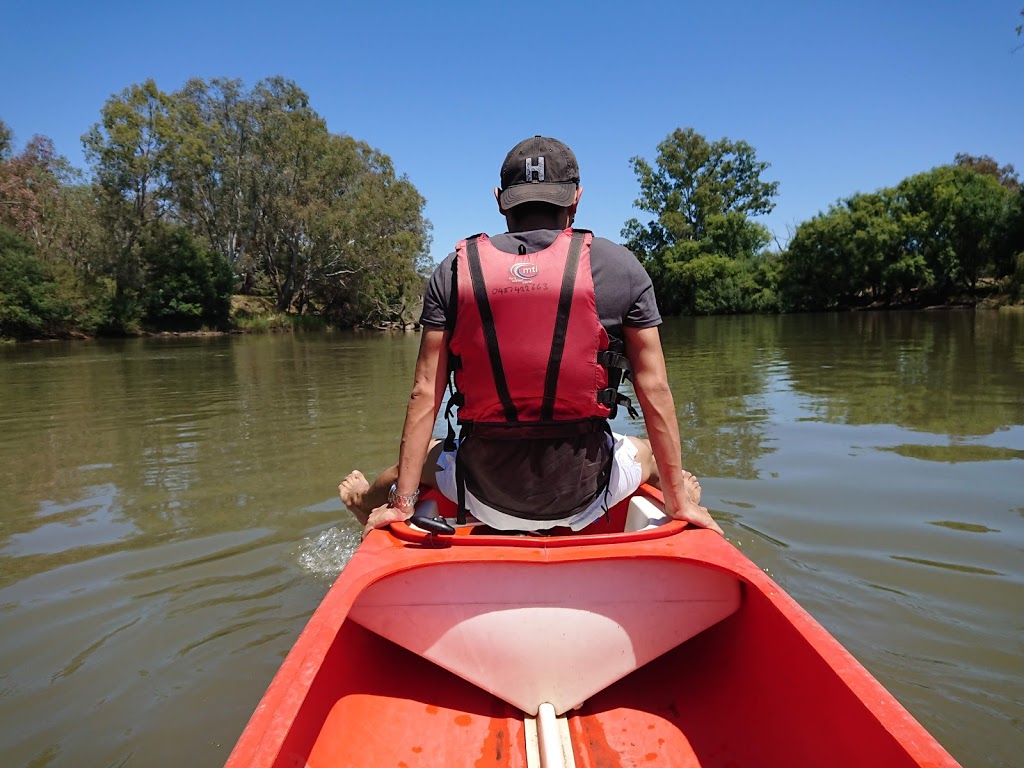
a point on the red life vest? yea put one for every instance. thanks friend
(527, 334)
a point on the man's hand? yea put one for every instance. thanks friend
(382, 516)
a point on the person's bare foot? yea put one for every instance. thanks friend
(692, 511)
(352, 490)
(692, 485)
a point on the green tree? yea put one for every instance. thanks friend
(701, 195)
(319, 220)
(707, 281)
(853, 255)
(933, 236)
(815, 274)
(959, 225)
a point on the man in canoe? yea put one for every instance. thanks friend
(536, 326)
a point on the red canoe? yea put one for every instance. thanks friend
(648, 644)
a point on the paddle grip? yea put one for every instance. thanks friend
(432, 524)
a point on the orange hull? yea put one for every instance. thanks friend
(764, 686)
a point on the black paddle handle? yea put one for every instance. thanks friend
(436, 525)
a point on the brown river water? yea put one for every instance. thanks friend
(169, 518)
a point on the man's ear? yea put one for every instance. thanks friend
(575, 202)
(497, 198)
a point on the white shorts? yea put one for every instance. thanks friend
(624, 479)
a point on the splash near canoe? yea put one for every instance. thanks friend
(645, 643)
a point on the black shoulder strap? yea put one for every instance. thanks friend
(453, 299)
(455, 398)
(476, 276)
(572, 263)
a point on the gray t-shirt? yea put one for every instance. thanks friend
(622, 288)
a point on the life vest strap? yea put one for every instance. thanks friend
(535, 430)
(572, 262)
(476, 276)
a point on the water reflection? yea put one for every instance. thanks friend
(969, 527)
(917, 370)
(149, 439)
(955, 454)
(723, 372)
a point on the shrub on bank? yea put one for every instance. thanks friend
(30, 303)
(187, 286)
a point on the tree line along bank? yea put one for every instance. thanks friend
(216, 190)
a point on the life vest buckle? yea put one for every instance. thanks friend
(610, 359)
(613, 399)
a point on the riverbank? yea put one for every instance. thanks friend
(258, 314)
(249, 314)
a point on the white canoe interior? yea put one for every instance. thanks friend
(548, 632)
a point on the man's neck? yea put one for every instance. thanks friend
(530, 223)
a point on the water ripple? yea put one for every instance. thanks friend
(950, 566)
(80, 659)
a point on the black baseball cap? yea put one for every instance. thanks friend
(539, 169)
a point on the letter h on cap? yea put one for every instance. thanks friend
(538, 168)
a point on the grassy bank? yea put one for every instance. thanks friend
(257, 314)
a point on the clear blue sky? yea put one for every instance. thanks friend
(837, 97)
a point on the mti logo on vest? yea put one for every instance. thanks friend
(523, 272)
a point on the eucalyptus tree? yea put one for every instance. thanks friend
(25, 179)
(211, 166)
(288, 153)
(31, 185)
(336, 230)
(373, 240)
(129, 152)
(6, 140)
(987, 166)
(320, 220)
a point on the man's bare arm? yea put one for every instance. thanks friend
(420, 415)
(650, 380)
(424, 403)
